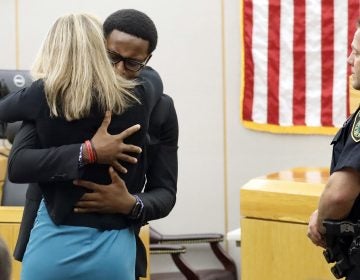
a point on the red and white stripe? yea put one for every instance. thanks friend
(295, 68)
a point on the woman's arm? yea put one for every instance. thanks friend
(24, 104)
(28, 163)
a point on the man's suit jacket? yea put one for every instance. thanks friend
(27, 163)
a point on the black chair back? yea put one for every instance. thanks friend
(13, 194)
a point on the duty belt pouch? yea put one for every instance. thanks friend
(343, 246)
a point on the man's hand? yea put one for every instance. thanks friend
(314, 231)
(113, 198)
(110, 149)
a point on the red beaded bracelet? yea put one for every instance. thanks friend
(90, 151)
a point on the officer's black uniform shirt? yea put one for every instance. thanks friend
(346, 152)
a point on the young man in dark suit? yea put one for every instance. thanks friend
(131, 38)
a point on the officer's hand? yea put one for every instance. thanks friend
(113, 198)
(110, 149)
(313, 231)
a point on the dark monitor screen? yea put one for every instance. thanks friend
(12, 81)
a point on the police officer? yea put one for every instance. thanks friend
(339, 200)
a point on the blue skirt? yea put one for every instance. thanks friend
(81, 253)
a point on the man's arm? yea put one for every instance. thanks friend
(159, 195)
(339, 195)
(22, 105)
(335, 203)
(28, 163)
(152, 85)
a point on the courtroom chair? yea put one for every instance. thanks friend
(187, 271)
(175, 251)
(13, 194)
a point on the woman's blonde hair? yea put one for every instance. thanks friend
(77, 73)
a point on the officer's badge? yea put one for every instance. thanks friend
(355, 131)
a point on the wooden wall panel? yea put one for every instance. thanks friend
(280, 251)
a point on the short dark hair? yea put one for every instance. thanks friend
(132, 22)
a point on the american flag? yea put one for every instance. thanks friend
(295, 72)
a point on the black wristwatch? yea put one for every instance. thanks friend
(136, 211)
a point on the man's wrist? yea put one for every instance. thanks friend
(81, 161)
(87, 154)
(137, 209)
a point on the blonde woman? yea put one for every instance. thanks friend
(76, 85)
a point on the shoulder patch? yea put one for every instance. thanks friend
(355, 131)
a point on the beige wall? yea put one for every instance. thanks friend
(189, 59)
(7, 34)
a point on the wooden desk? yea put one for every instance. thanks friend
(10, 218)
(276, 210)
